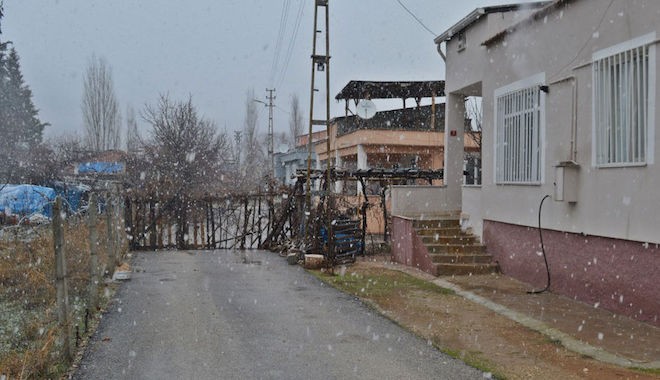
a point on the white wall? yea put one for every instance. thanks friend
(471, 218)
(613, 202)
(422, 201)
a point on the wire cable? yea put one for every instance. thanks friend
(284, 16)
(416, 18)
(585, 43)
(547, 268)
(292, 43)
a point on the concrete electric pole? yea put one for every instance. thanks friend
(271, 149)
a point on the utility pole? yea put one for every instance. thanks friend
(320, 62)
(271, 149)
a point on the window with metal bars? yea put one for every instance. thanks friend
(518, 137)
(621, 106)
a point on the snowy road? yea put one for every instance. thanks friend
(220, 315)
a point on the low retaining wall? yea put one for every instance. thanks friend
(420, 201)
(407, 247)
(617, 275)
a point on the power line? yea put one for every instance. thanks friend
(584, 45)
(416, 18)
(292, 42)
(284, 16)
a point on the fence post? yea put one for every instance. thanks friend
(117, 225)
(93, 256)
(61, 280)
(109, 211)
(246, 219)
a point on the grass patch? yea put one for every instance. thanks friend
(554, 342)
(382, 283)
(475, 360)
(30, 338)
(375, 285)
(649, 371)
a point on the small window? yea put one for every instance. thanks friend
(518, 145)
(621, 103)
(462, 44)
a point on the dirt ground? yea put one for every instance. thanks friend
(480, 336)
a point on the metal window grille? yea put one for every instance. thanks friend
(518, 149)
(621, 107)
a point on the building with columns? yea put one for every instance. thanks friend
(568, 89)
(406, 138)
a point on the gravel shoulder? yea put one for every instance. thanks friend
(472, 332)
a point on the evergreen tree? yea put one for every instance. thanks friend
(20, 127)
(21, 123)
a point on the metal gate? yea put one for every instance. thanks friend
(207, 223)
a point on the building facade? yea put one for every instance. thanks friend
(569, 110)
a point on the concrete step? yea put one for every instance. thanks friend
(444, 258)
(437, 223)
(465, 269)
(456, 248)
(449, 239)
(446, 231)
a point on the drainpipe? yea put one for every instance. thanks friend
(442, 54)
(574, 124)
(433, 111)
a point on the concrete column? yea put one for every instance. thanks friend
(318, 166)
(339, 185)
(453, 162)
(361, 164)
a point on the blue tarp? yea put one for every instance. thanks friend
(27, 200)
(72, 193)
(101, 168)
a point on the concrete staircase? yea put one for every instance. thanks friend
(452, 251)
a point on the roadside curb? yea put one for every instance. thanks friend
(565, 339)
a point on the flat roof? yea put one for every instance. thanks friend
(357, 89)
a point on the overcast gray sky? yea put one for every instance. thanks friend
(215, 50)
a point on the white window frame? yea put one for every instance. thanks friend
(622, 151)
(512, 175)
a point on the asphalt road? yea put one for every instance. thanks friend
(225, 315)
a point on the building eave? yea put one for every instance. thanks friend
(541, 13)
(476, 14)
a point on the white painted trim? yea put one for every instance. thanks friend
(536, 79)
(651, 109)
(531, 81)
(645, 39)
(594, 142)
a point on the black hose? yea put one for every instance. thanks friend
(547, 269)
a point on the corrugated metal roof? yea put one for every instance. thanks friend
(407, 119)
(356, 89)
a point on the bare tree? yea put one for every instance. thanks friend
(132, 134)
(474, 113)
(250, 139)
(68, 148)
(185, 154)
(100, 109)
(295, 120)
(252, 160)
